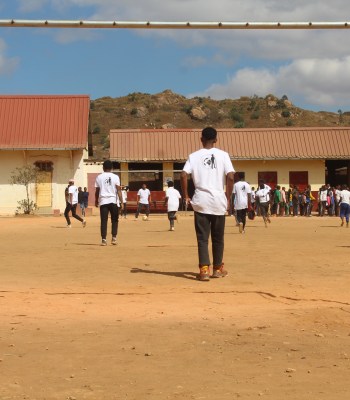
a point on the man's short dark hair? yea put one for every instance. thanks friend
(241, 175)
(209, 133)
(107, 165)
(170, 183)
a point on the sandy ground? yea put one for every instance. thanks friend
(81, 321)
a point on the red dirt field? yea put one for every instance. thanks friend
(81, 321)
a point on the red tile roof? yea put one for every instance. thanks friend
(242, 144)
(44, 122)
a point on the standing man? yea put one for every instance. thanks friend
(125, 200)
(143, 200)
(172, 199)
(71, 204)
(108, 196)
(211, 169)
(242, 200)
(345, 205)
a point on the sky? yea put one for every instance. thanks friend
(310, 67)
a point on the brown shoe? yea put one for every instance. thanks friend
(204, 273)
(219, 272)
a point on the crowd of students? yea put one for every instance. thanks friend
(296, 202)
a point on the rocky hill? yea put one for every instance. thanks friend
(170, 110)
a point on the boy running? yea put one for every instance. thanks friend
(172, 197)
(71, 204)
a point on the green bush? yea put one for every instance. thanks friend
(240, 125)
(286, 113)
(255, 115)
(290, 122)
(236, 116)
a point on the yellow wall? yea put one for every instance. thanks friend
(315, 168)
(66, 165)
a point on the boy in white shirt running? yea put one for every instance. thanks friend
(71, 204)
(210, 169)
(109, 197)
(242, 201)
(172, 197)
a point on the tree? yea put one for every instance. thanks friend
(26, 176)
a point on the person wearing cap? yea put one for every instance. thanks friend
(108, 196)
(71, 204)
(211, 169)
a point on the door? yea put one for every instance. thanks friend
(299, 178)
(44, 190)
(269, 177)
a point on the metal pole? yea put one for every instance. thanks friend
(17, 23)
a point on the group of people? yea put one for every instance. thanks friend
(212, 174)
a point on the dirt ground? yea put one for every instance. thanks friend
(81, 321)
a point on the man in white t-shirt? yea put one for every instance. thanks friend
(71, 204)
(125, 200)
(262, 196)
(211, 169)
(109, 197)
(241, 200)
(143, 201)
(345, 205)
(172, 198)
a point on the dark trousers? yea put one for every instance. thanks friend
(242, 216)
(124, 212)
(73, 208)
(171, 217)
(214, 225)
(140, 207)
(106, 209)
(264, 210)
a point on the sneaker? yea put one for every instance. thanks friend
(219, 272)
(104, 242)
(84, 223)
(69, 226)
(172, 228)
(240, 227)
(204, 273)
(114, 241)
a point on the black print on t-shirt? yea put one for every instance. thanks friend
(108, 181)
(210, 162)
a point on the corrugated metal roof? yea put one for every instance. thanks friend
(241, 144)
(44, 122)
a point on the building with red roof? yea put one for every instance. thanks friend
(50, 132)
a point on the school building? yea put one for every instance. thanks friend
(49, 132)
(283, 156)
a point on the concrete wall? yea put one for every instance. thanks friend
(315, 168)
(66, 165)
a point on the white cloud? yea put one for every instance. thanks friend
(322, 82)
(7, 65)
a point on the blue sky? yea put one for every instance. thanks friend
(311, 67)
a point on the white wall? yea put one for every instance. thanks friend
(66, 165)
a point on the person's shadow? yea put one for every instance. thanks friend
(185, 275)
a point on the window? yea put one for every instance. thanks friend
(45, 166)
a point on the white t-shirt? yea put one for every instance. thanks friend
(263, 194)
(241, 190)
(144, 194)
(323, 195)
(124, 196)
(173, 196)
(345, 196)
(74, 191)
(337, 194)
(209, 168)
(107, 182)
